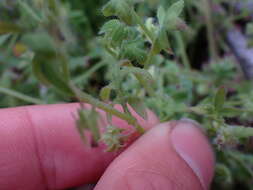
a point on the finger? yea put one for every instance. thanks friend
(167, 157)
(40, 148)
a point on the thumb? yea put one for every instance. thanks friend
(174, 155)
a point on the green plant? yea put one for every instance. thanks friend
(141, 58)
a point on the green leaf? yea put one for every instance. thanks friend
(230, 112)
(220, 98)
(133, 51)
(161, 42)
(93, 124)
(118, 35)
(109, 26)
(87, 120)
(249, 29)
(105, 93)
(172, 15)
(47, 70)
(40, 42)
(29, 11)
(113, 138)
(223, 173)
(175, 10)
(239, 131)
(138, 106)
(144, 73)
(132, 2)
(121, 9)
(161, 15)
(4, 38)
(115, 32)
(109, 9)
(81, 124)
(6, 28)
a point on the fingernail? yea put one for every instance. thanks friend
(193, 147)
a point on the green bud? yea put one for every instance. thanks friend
(105, 93)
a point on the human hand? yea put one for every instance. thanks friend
(41, 149)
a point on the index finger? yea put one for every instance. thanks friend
(40, 148)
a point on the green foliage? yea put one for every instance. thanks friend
(143, 56)
(113, 138)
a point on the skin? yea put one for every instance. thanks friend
(41, 149)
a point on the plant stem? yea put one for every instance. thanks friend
(210, 29)
(65, 65)
(87, 74)
(183, 53)
(20, 96)
(82, 96)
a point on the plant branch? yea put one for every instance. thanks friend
(84, 97)
(20, 96)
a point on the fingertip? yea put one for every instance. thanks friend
(174, 155)
(194, 148)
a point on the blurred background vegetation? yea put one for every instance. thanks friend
(213, 49)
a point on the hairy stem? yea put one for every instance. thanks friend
(82, 96)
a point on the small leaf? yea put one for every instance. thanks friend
(113, 138)
(175, 10)
(161, 42)
(138, 106)
(87, 120)
(144, 73)
(133, 51)
(161, 14)
(109, 26)
(48, 72)
(172, 15)
(93, 125)
(114, 32)
(29, 11)
(223, 173)
(220, 98)
(6, 28)
(118, 35)
(249, 29)
(109, 9)
(239, 131)
(132, 2)
(81, 124)
(230, 112)
(121, 9)
(4, 38)
(39, 42)
(105, 93)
